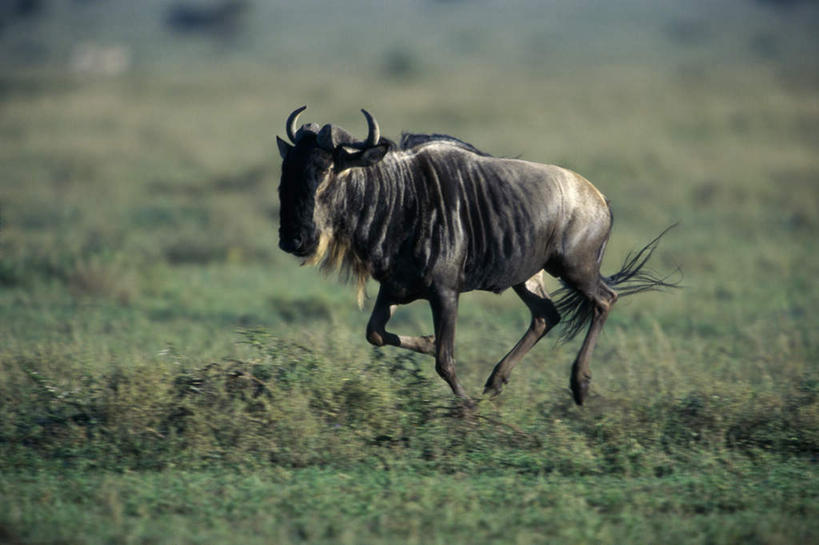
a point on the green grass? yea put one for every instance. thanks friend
(168, 376)
(370, 505)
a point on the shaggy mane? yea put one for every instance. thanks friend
(334, 255)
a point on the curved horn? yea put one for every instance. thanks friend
(374, 134)
(291, 123)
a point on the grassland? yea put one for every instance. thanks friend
(168, 376)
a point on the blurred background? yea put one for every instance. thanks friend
(140, 172)
(137, 142)
(148, 320)
(405, 36)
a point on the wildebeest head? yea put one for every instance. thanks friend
(311, 160)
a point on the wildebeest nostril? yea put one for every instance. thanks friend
(291, 244)
(287, 244)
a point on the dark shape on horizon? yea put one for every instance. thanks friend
(787, 4)
(23, 8)
(222, 18)
(19, 10)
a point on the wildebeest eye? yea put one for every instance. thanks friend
(348, 157)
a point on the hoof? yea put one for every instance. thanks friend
(494, 386)
(492, 390)
(464, 408)
(580, 389)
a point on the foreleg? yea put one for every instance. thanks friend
(444, 305)
(378, 335)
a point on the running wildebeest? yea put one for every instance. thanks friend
(433, 217)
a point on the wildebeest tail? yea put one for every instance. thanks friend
(576, 309)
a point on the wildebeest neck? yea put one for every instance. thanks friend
(369, 213)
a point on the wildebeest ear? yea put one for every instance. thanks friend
(347, 157)
(284, 147)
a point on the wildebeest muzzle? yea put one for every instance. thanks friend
(299, 244)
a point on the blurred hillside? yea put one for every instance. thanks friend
(406, 37)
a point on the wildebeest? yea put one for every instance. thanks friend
(432, 217)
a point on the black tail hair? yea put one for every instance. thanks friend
(576, 309)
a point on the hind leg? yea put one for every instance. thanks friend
(602, 298)
(544, 317)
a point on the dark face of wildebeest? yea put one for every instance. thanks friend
(304, 167)
(314, 157)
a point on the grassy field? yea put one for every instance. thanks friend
(168, 376)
